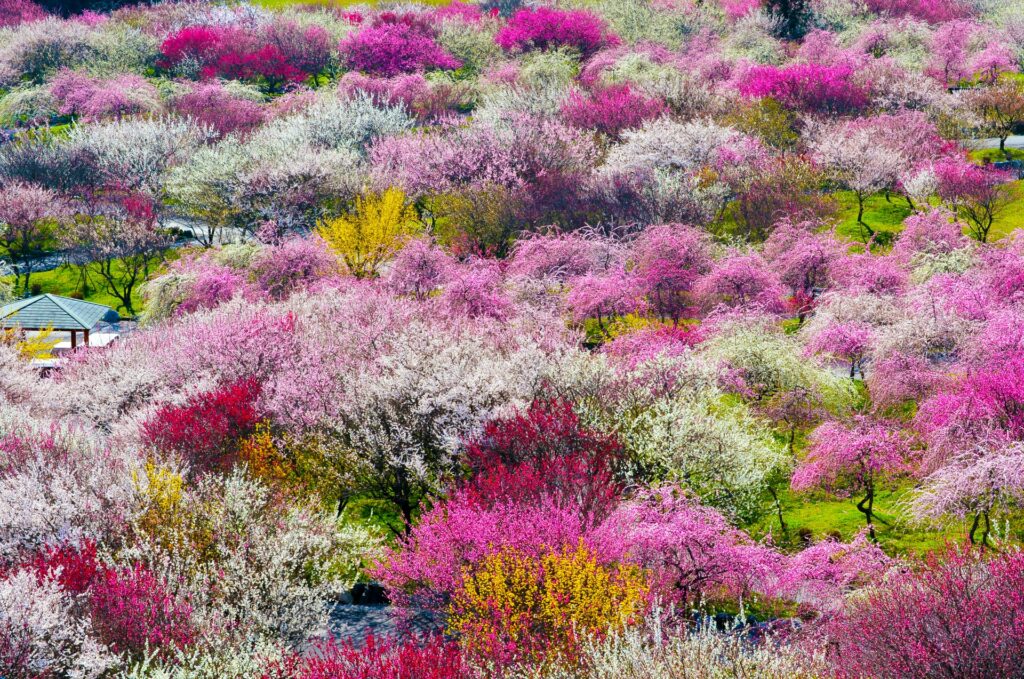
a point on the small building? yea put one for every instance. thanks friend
(62, 315)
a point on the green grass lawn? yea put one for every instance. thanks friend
(886, 217)
(824, 515)
(66, 281)
(883, 216)
(995, 155)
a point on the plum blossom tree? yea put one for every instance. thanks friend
(693, 552)
(973, 486)
(29, 215)
(212, 104)
(1001, 108)
(959, 615)
(15, 12)
(803, 261)
(666, 261)
(741, 281)
(548, 27)
(807, 87)
(546, 452)
(853, 458)
(611, 110)
(93, 98)
(849, 341)
(119, 240)
(393, 45)
(419, 269)
(858, 162)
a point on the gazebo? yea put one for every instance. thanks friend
(63, 314)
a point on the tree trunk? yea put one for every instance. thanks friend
(866, 507)
(974, 527)
(778, 510)
(988, 529)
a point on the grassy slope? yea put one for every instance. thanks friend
(66, 281)
(887, 217)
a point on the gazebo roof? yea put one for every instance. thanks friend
(52, 311)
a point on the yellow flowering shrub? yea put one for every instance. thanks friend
(39, 345)
(263, 457)
(376, 229)
(520, 608)
(167, 518)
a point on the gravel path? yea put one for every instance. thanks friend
(353, 622)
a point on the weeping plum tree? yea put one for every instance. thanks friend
(853, 458)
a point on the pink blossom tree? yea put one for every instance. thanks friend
(666, 262)
(94, 98)
(15, 12)
(693, 552)
(856, 160)
(803, 260)
(742, 281)
(853, 458)
(29, 215)
(849, 341)
(974, 486)
(211, 104)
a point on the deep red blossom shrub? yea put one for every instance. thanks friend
(960, 614)
(233, 53)
(807, 87)
(611, 110)
(545, 452)
(392, 47)
(267, 62)
(207, 428)
(198, 44)
(547, 27)
(379, 658)
(74, 566)
(133, 611)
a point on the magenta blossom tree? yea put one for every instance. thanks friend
(741, 281)
(692, 551)
(547, 27)
(853, 458)
(807, 87)
(611, 110)
(392, 47)
(666, 262)
(848, 341)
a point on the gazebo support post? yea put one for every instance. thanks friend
(85, 334)
(74, 340)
